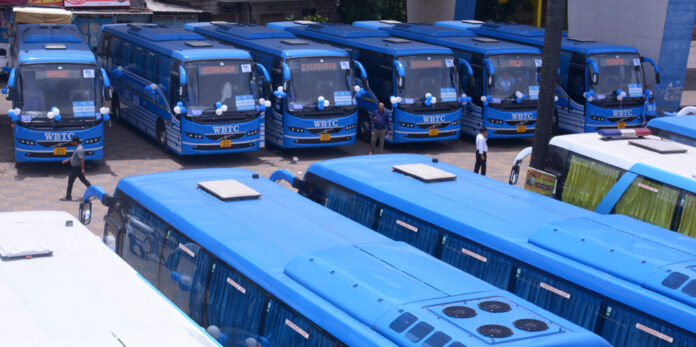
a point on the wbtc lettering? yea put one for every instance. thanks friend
(434, 119)
(58, 136)
(226, 129)
(622, 113)
(326, 123)
(523, 116)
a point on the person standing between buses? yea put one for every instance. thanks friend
(481, 151)
(77, 167)
(380, 123)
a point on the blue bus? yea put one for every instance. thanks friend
(259, 265)
(313, 95)
(505, 103)
(192, 95)
(630, 282)
(417, 81)
(57, 91)
(680, 129)
(601, 85)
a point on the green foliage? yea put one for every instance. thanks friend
(354, 10)
(314, 18)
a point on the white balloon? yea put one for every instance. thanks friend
(104, 110)
(18, 111)
(218, 112)
(214, 331)
(56, 110)
(321, 98)
(393, 100)
(555, 98)
(623, 93)
(590, 98)
(262, 101)
(326, 103)
(518, 94)
(428, 95)
(484, 98)
(267, 103)
(280, 89)
(50, 115)
(464, 95)
(357, 88)
(224, 108)
(177, 109)
(433, 100)
(398, 100)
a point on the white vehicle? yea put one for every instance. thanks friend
(61, 286)
(629, 172)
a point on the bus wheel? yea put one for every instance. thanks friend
(116, 108)
(161, 134)
(365, 130)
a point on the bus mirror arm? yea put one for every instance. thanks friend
(287, 176)
(594, 71)
(361, 69)
(655, 67)
(515, 171)
(97, 192)
(182, 75)
(467, 66)
(491, 71)
(262, 70)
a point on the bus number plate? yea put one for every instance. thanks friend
(434, 132)
(521, 128)
(621, 125)
(325, 137)
(226, 143)
(59, 151)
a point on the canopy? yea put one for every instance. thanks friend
(30, 15)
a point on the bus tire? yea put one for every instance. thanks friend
(365, 130)
(116, 108)
(161, 134)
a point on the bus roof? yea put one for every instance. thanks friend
(52, 43)
(541, 231)
(528, 34)
(676, 169)
(327, 267)
(272, 41)
(451, 38)
(682, 125)
(81, 295)
(360, 37)
(175, 42)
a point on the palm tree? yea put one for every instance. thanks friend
(555, 12)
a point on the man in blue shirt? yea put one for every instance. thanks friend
(380, 125)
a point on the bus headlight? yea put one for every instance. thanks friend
(351, 127)
(195, 136)
(598, 118)
(406, 125)
(93, 140)
(297, 130)
(26, 142)
(495, 121)
(456, 121)
(253, 132)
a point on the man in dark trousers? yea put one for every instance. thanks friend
(380, 124)
(77, 167)
(481, 151)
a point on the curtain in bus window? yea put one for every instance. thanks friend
(588, 182)
(234, 305)
(626, 327)
(478, 261)
(338, 200)
(562, 298)
(687, 225)
(363, 211)
(143, 242)
(284, 327)
(399, 227)
(649, 201)
(182, 278)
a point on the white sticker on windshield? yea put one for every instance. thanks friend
(537, 62)
(246, 67)
(345, 65)
(636, 62)
(88, 73)
(449, 62)
(635, 90)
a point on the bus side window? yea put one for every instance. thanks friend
(576, 78)
(150, 67)
(587, 181)
(104, 46)
(649, 201)
(174, 82)
(686, 224)
(138, 61)
(126, 52)
(184, 272)
(477, 91)
(285, 327)
(143, 239)
(115, 51)
(564, 66)
(164, 66)
(235, 305)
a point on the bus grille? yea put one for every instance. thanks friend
(527, 122)
(432, 125)
(51, 155)
(620, 119)
(426, 135)
(324, 130)
(332, 140)
(54, 143)
(232, 136)
(217, 147)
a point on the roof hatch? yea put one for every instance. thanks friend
(304, 22)
(54, 46)
(389, 21)
(199, 44)
(24, 245)
(424, 172)
(484, 40)
(396, 40)
(227, 190)
(580, 39)
(659, 146)
(295, 42)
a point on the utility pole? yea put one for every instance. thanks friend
(555, 13)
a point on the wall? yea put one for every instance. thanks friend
(430, 11)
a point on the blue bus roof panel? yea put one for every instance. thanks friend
(527, 34)
(173, 42)
(34, 38)
(264, 39)
(516, 222)
(681, 125)
(361, 38)
(313, 240)
(456, 39)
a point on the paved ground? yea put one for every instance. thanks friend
(127, 153)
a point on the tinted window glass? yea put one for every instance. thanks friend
(690, 288)
(402, 322)
(675, 280)
(284, 327)
(419, 331)
(438, 339)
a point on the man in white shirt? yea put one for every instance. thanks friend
(481, 151)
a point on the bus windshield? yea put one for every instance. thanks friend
(69, 87)
(429, 74)
(515, 73)
(619, 71)
(315, 77)
(224, 81)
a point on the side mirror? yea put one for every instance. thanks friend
(594, 71)
(594, 78)
(4, 90)
(491, 80)
(85, 212)
(401, 82)
(108, 93)
(514, 175)
(657, 77)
